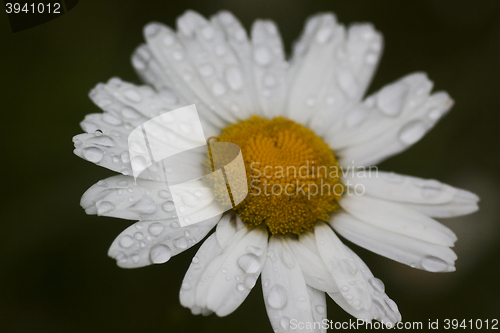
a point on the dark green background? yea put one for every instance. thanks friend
(55, 275)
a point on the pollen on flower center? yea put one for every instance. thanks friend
(292, 175)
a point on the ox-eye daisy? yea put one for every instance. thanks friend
(281, 113)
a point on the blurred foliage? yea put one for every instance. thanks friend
(56, 276)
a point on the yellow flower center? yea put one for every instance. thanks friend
(292, 175)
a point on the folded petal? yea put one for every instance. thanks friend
(286, 294)
(155, 242)
(407, 250)
(341, 266)
(396, 218)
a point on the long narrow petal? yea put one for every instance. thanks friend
(285, 291)
(397, 218)
(155, 242)
(428, 196)
(388, 122)
(407, 250)
(341, 266)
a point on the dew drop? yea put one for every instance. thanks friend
(285, 323)
(169, 40)
(377, 284)
(412, 132)
(206, 70)
(433, 264)
(390, 99)
(218, 89)
(145, 205)
(155, 228)
(320, 309)
(234, 78)
(160, 254)
(132, 95)
(178, 55)
(323, 35)
(104, 207)
(168, 206)
(139, 235)
(92, 154)
(125, 157)
(262, 56)
(240, 287)
(126, 241)
(249, 263)
(277, 298)
(181, 243)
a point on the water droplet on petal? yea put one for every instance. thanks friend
(208, 32)
(255, 250)
(240, 287)
(104, 207)
(346, 266)
(249, 263)
(377, 284)
(126, 241)
(323, 35)
(262, 56)
(160, 254)
(218, 89)
(206, 70)
(285, 323)
(320, 309)
(344, 288)
(132, 95)
(146, 205)
(92, 154)
(168, 206)
(412, 132)
(234, 78)
(277, 298)
(181, 243)
(250, 281)
(139, 235)
(155, 228)
(433, 264)
(390, 100)
(125, 156)
(178, 55)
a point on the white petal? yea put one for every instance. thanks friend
(387, 310)
(269, 68)
(122, 197)
(174, 60)
(378, 132)
(227, 227)
(222, 74)
(155, 242)
(407, 250)
(207, 252)
(341, 266)
(235, 271)
(397, 218)
(331, 69)
(285, 291)
(315, 272)
(318, 307)
(126, 106)
(425, 195)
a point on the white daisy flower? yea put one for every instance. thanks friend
(280, 112)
